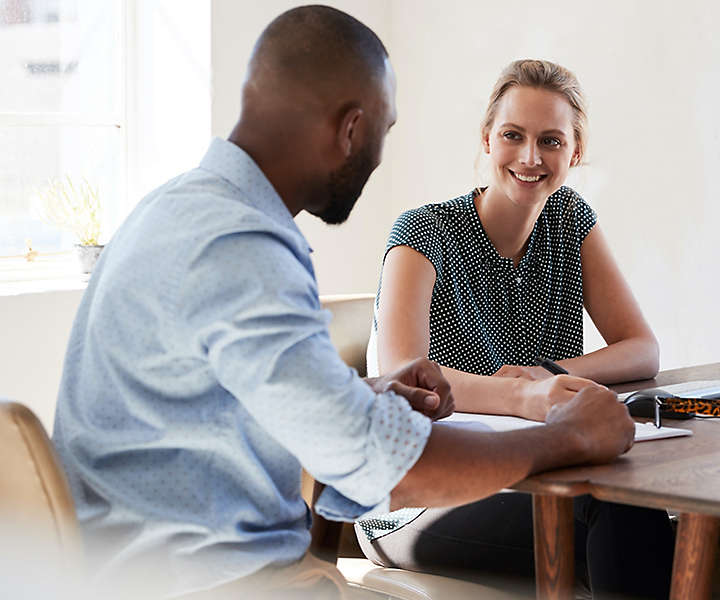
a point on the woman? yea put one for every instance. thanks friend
(486, 283)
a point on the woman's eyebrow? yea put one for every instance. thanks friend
(513, 125)
(554, 131)
(546, 132)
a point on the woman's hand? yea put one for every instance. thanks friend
(540, 395)
(518, 372)
(422, 384)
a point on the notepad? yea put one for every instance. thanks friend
(643, 431)
(648, 431)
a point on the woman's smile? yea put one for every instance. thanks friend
(527, 179)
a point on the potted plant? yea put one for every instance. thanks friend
(75, 207)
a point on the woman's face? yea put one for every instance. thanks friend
(531, 144)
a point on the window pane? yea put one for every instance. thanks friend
(61, 56)
(39, 153)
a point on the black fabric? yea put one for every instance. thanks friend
(620, 551)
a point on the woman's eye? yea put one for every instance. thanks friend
(550, 141)
(511, 135)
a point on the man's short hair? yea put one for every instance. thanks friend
(317, 44)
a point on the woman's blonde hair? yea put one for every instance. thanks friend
(545, 75)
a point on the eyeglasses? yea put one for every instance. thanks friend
(691, 407)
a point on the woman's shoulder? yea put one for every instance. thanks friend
(566, 200)
(568, 209)
(437, 215)
(565, 196)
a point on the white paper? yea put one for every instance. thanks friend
(643, 431)
(648, 431)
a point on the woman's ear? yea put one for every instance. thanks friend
(575, 160)
(486, 142)
(348, 130)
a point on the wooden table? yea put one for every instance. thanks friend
(680, 474)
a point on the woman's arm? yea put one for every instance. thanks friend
(404, 334)
(632, 350)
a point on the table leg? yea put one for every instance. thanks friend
(695, 548)
(554, 552)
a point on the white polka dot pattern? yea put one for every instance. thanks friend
(376, 527)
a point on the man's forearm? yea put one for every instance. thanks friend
(460, 466)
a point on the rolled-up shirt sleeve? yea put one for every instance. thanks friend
(262, 331)
(396, 438)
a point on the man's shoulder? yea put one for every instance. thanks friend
(201, 205)
(196, 225)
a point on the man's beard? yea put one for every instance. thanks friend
(345, 186)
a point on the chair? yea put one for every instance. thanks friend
(350, 332)
(33, 488)
(41, 549)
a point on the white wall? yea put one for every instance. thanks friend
(34, 329)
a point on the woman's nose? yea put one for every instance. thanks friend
(530, 156)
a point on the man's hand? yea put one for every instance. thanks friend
(601, 425)
(540, 395)
(422, 384)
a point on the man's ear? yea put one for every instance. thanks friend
(348, 130)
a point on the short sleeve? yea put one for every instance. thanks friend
(584, 217)
(420, 229)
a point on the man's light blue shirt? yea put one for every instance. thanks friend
(198, 379)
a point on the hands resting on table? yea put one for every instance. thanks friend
(588, 414)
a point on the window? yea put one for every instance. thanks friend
(116, 92)
(62, 109)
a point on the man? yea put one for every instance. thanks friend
(200, 377)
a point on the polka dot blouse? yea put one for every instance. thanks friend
(485, 312)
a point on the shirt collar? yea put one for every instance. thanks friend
(232, 163)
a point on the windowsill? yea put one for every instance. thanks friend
(16, 288)
(54, 273)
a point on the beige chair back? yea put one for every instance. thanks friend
(35, 499)
(350, 327)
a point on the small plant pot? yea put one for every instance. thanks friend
(88, 256)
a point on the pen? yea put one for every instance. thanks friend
(551, 366)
